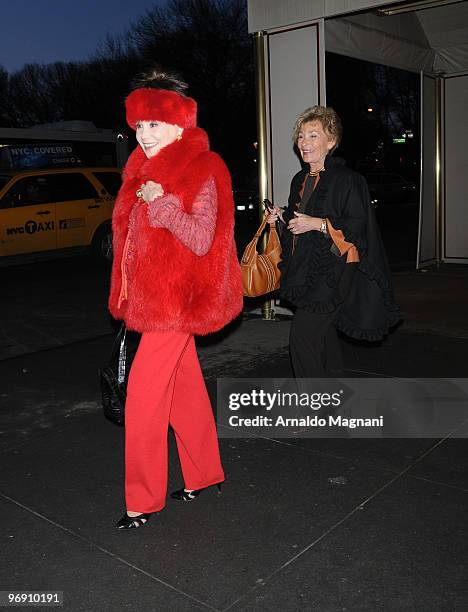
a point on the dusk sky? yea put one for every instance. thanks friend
(43, 31)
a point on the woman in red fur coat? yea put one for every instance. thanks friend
(175, 274)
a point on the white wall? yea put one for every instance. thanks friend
(294, 67)
(456, 169)
(268, 14)
(427, 236)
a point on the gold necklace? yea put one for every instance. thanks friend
(316, 172)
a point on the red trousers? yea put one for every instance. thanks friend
(166, 387)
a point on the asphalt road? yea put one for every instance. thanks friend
(52, 303)
(303, 524)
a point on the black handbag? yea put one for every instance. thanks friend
(114, 377)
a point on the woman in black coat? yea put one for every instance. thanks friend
(334, 269)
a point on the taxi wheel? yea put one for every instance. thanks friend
(102, 244)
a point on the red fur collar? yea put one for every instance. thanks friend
(170, 162)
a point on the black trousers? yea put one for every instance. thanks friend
(314, 345)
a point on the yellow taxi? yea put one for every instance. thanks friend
(58, 210)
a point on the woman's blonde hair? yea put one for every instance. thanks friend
(329, 119)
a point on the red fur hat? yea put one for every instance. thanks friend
(148, 104)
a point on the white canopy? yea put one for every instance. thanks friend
(433, 39)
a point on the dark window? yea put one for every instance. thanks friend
(4, 180)
(29, 191)
(110, 180)
(70, 186)
(385, 178)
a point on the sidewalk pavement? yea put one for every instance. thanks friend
(302, 524)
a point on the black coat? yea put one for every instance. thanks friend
(314, 278)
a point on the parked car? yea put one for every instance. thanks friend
(56, 211)
(391, 188)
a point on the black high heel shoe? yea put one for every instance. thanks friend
(132, 522)
(188, 496)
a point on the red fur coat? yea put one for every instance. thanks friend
(169, 287)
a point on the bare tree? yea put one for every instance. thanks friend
(207, 41)
(92, 90)
(5, 118)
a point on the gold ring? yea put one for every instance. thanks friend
(139, 193)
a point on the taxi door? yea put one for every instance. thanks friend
(77, 208)
(27, 217)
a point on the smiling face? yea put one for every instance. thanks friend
(152, 136)
(314, 144)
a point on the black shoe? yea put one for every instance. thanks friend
(132, 522)
(188, 496)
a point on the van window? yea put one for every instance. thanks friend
(110, 180)
(70, 186)
(27, 191)
(4, 180)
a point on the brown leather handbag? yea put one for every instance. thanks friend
(260, 273)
